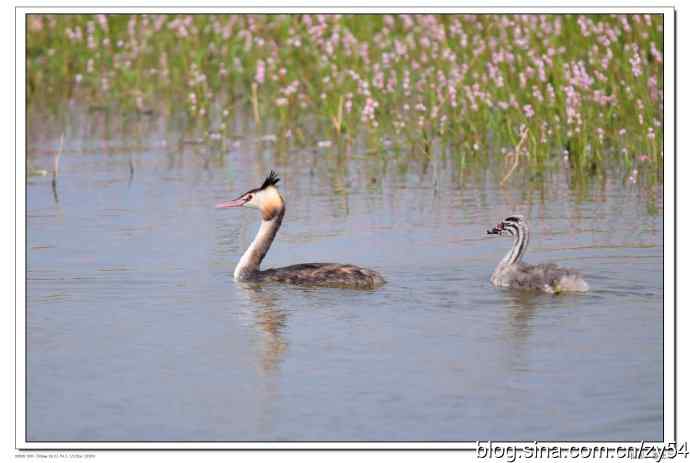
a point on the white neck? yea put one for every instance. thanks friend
(250, 261)
(519, 246)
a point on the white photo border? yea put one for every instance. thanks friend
(669, 201)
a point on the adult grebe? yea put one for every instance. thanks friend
(270, 203)
(512, 273)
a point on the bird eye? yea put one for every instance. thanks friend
(249, 197)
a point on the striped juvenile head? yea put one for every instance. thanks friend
(510, 226)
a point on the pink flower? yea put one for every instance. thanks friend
(369, 110)
(102, 21)
(390, 86)
(584, 24)
(378, 79)
(529, 112)
(35, 23)
(636, 63)
(536, 93)
(572, 106)
(656, 54)
(652, 87)
(260, 71)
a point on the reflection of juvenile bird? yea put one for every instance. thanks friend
(512, 273)
(272, 207)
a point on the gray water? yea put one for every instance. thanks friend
(136, 330)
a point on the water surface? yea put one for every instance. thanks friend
(137, 332)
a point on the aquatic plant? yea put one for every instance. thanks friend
(586, 89)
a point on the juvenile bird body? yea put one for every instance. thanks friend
(511, 272)
(549, 278)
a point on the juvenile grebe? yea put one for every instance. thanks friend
(270, 203)
(512, 273)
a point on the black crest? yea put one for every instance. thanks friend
(514, 218)
(272, 179)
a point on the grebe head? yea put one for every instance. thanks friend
(265, 198)
(508, 226)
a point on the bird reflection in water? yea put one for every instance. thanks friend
(523, 306)
(271, 321)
